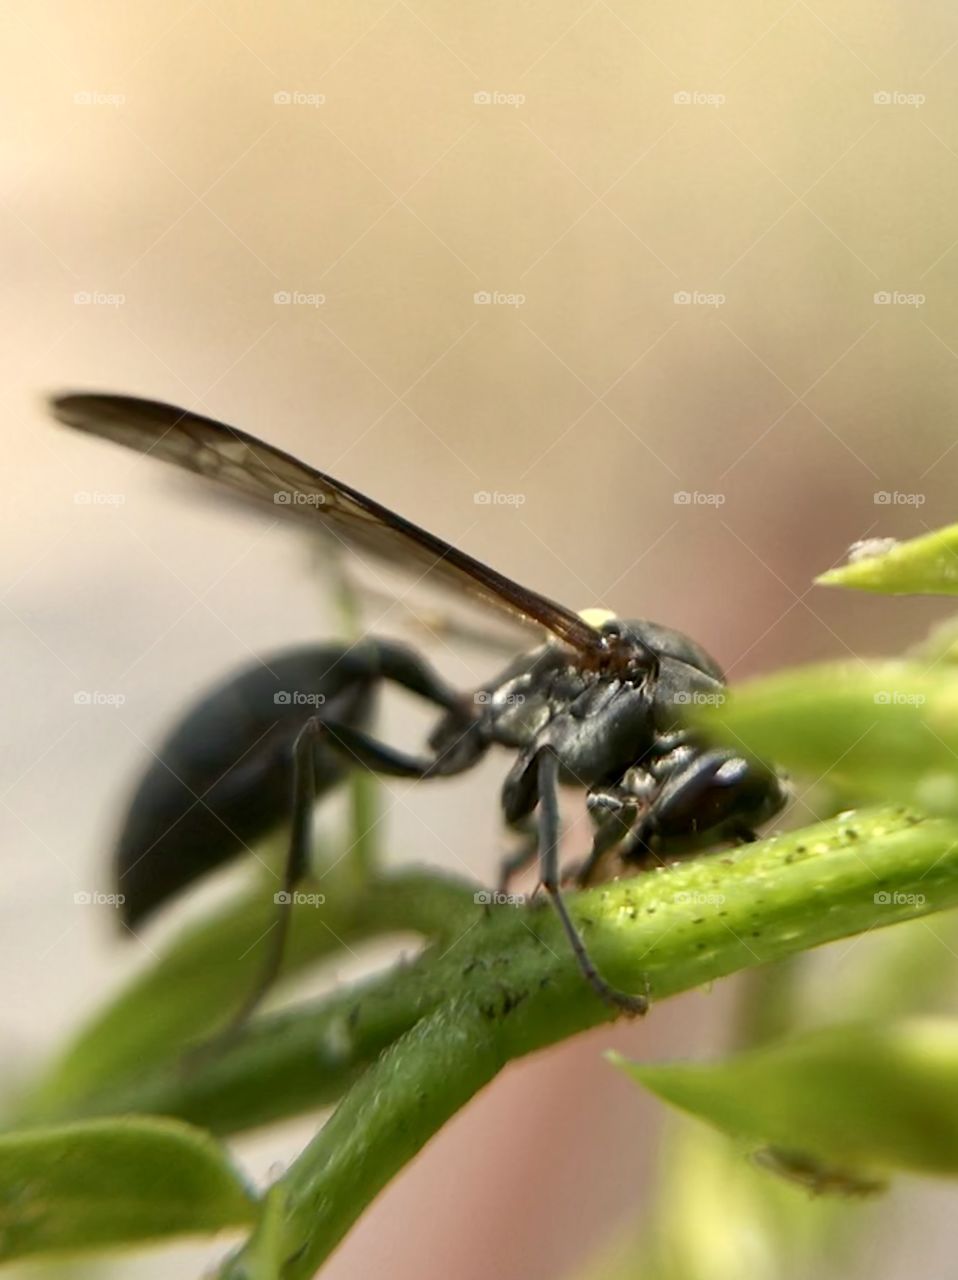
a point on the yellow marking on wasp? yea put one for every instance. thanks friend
(597, 617)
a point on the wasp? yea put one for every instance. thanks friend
(596, 705)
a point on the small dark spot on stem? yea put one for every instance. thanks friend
(511, 1000)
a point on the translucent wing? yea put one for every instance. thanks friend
(263, 474)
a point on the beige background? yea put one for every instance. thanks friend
(148, 165)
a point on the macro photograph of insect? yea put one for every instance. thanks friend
(480, 769)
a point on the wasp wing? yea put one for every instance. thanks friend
(263, 474)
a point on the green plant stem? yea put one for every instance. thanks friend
(520, 990)
(417, 1085)
(364, 788)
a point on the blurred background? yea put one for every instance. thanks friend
(652, 307)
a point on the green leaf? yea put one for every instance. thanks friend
(191, 989)
(114, 1182)
(880, 731)
(866, 1096)
(185, 994)
(922, 566)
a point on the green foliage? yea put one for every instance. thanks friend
(874, 732)
(111, 1182)
(921, 566)
(867, 1096)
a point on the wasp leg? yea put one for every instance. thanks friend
(454, 745)
(297, 860)
(363, 751)
(359, 749)
(387, 662)
(403, 666)
(547, 779)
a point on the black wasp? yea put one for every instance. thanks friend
(597, 705)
